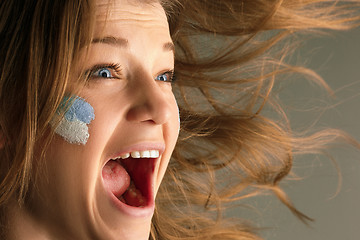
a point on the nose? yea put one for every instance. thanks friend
(150, 102)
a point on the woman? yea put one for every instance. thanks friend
(93, 120)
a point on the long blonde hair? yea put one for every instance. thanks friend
(34, 73)
(226, 64)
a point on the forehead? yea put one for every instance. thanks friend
(148, 13)
(141, 25)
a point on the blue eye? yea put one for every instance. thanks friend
(166, 77)
(103, 73)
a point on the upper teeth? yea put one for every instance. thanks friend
(141, 154)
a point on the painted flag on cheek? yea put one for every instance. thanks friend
(77, 115)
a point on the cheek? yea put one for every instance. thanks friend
(176, 113)
(171, 133)
(174, 122)
(58, 182)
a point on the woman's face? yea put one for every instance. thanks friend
(86, 191)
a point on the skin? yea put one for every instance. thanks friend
(132, 110)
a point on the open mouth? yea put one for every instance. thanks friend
(129, 178)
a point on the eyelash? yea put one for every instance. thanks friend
(115, 72)
(171, 78)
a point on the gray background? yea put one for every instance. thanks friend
(337, 214)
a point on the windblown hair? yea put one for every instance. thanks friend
(227, 62)
(39, 41)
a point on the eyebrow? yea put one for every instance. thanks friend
(124, 43)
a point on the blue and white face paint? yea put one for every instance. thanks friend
(73, 126)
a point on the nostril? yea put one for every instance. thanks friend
(139, 113)
(144, 113)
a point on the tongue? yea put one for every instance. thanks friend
(134, 197)
(116, 178)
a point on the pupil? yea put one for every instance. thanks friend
(104, 73)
